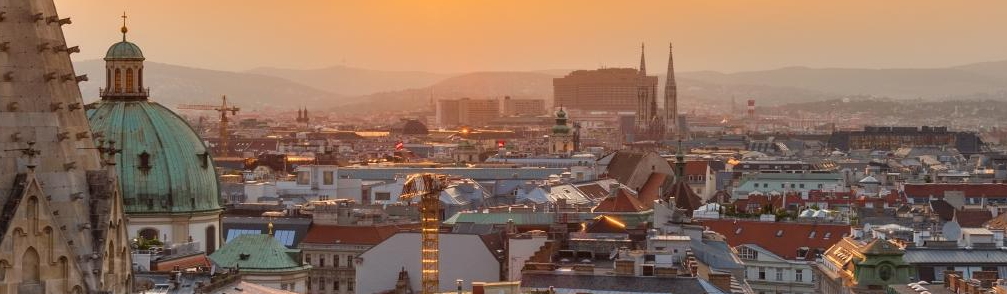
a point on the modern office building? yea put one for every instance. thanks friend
(606, 89)
(467, 112)
(523, 107)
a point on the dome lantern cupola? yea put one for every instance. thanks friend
(124, 70)
(560, 127)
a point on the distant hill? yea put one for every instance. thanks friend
(355, 81)
(894, 83)
(996, 69)
(172, 85)
(352, 89)
(530, 85)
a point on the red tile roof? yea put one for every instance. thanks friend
(651, 190)
(685, 198)
(781, 238)
(973, 218)
(593, 191)
(971, 190)
(359, 235)
(943, 209)
(622, 202)
(696, 168)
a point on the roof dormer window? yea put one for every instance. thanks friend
(144, 161)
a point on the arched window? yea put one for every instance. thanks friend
(211, 239)
(108, 79)
(111, 257)
(118, 81)
(885, 272)
(139, 78)
(129, 80)
(149, 234)
(30, 267)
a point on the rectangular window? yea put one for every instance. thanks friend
(349, 285)
(321, 283)
(762, 273)
(335, 260)
(307, 258)
(799, 275)
(349, 261)
(307, 283)
(779, 274)
(802, 186)
(304, 178)
(327, 178)
(388, 196)
(335, 285)
(321, 261)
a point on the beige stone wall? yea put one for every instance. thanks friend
(62, 237)
(35, 256)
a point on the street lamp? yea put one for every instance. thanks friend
(458, 282)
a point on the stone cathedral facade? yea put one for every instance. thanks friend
(62, 228)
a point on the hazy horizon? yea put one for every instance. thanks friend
(727, 36)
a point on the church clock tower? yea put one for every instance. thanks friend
(561, 140)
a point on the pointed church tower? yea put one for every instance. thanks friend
(643, 60)
(646, 107)
(671, 96)
(62, 229)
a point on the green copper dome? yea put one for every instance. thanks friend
(560, 128)
(163, 167)
(125, 51)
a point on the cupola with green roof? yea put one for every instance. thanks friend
(124, 50)
(560, 127)
(561, 140)
(124, 70)
(169, 183)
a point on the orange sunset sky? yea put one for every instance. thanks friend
(457, 36)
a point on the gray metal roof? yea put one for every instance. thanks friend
(614, 284)
(716, 254)
(955, 256)
(478, 174)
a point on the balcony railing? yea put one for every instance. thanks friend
(144, 92)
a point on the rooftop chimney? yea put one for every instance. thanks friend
(722, 281)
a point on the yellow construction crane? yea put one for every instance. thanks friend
(428, 187)
(223, 109)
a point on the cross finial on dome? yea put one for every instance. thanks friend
(124, 30)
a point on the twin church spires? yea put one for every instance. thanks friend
(650, 123)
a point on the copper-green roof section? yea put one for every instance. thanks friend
(258, 253)
(164, 167)
(124, 51)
